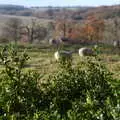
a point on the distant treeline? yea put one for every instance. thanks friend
(73, 12)
(15, 10)
(12, 7)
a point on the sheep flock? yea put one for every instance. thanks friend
(68, 54)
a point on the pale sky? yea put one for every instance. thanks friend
(60, 2)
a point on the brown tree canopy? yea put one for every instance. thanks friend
(94, 28)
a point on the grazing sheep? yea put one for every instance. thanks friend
(116, 43)
(62, 54)
(86, 52)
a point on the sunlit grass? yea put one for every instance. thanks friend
(42, 58)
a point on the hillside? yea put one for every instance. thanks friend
(74, 12)
(77, 13)
(25, 20)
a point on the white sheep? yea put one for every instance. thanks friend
(116, 43)
(62, 54)
(86, 52)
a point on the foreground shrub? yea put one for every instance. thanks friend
(84, 92)
(20, 95)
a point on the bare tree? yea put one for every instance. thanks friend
(40, 32)
(36, 31)
(112, 31)
(12, 29)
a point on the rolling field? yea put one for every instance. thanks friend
(42, 58)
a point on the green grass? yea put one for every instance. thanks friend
(42, 58)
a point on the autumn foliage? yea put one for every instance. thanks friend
(91, 30)
(63, 27)
(94, 28)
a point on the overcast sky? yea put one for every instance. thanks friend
(60, 2)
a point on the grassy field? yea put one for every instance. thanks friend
(42, 57)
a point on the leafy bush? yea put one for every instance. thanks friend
(84, 92)
(19, 91)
